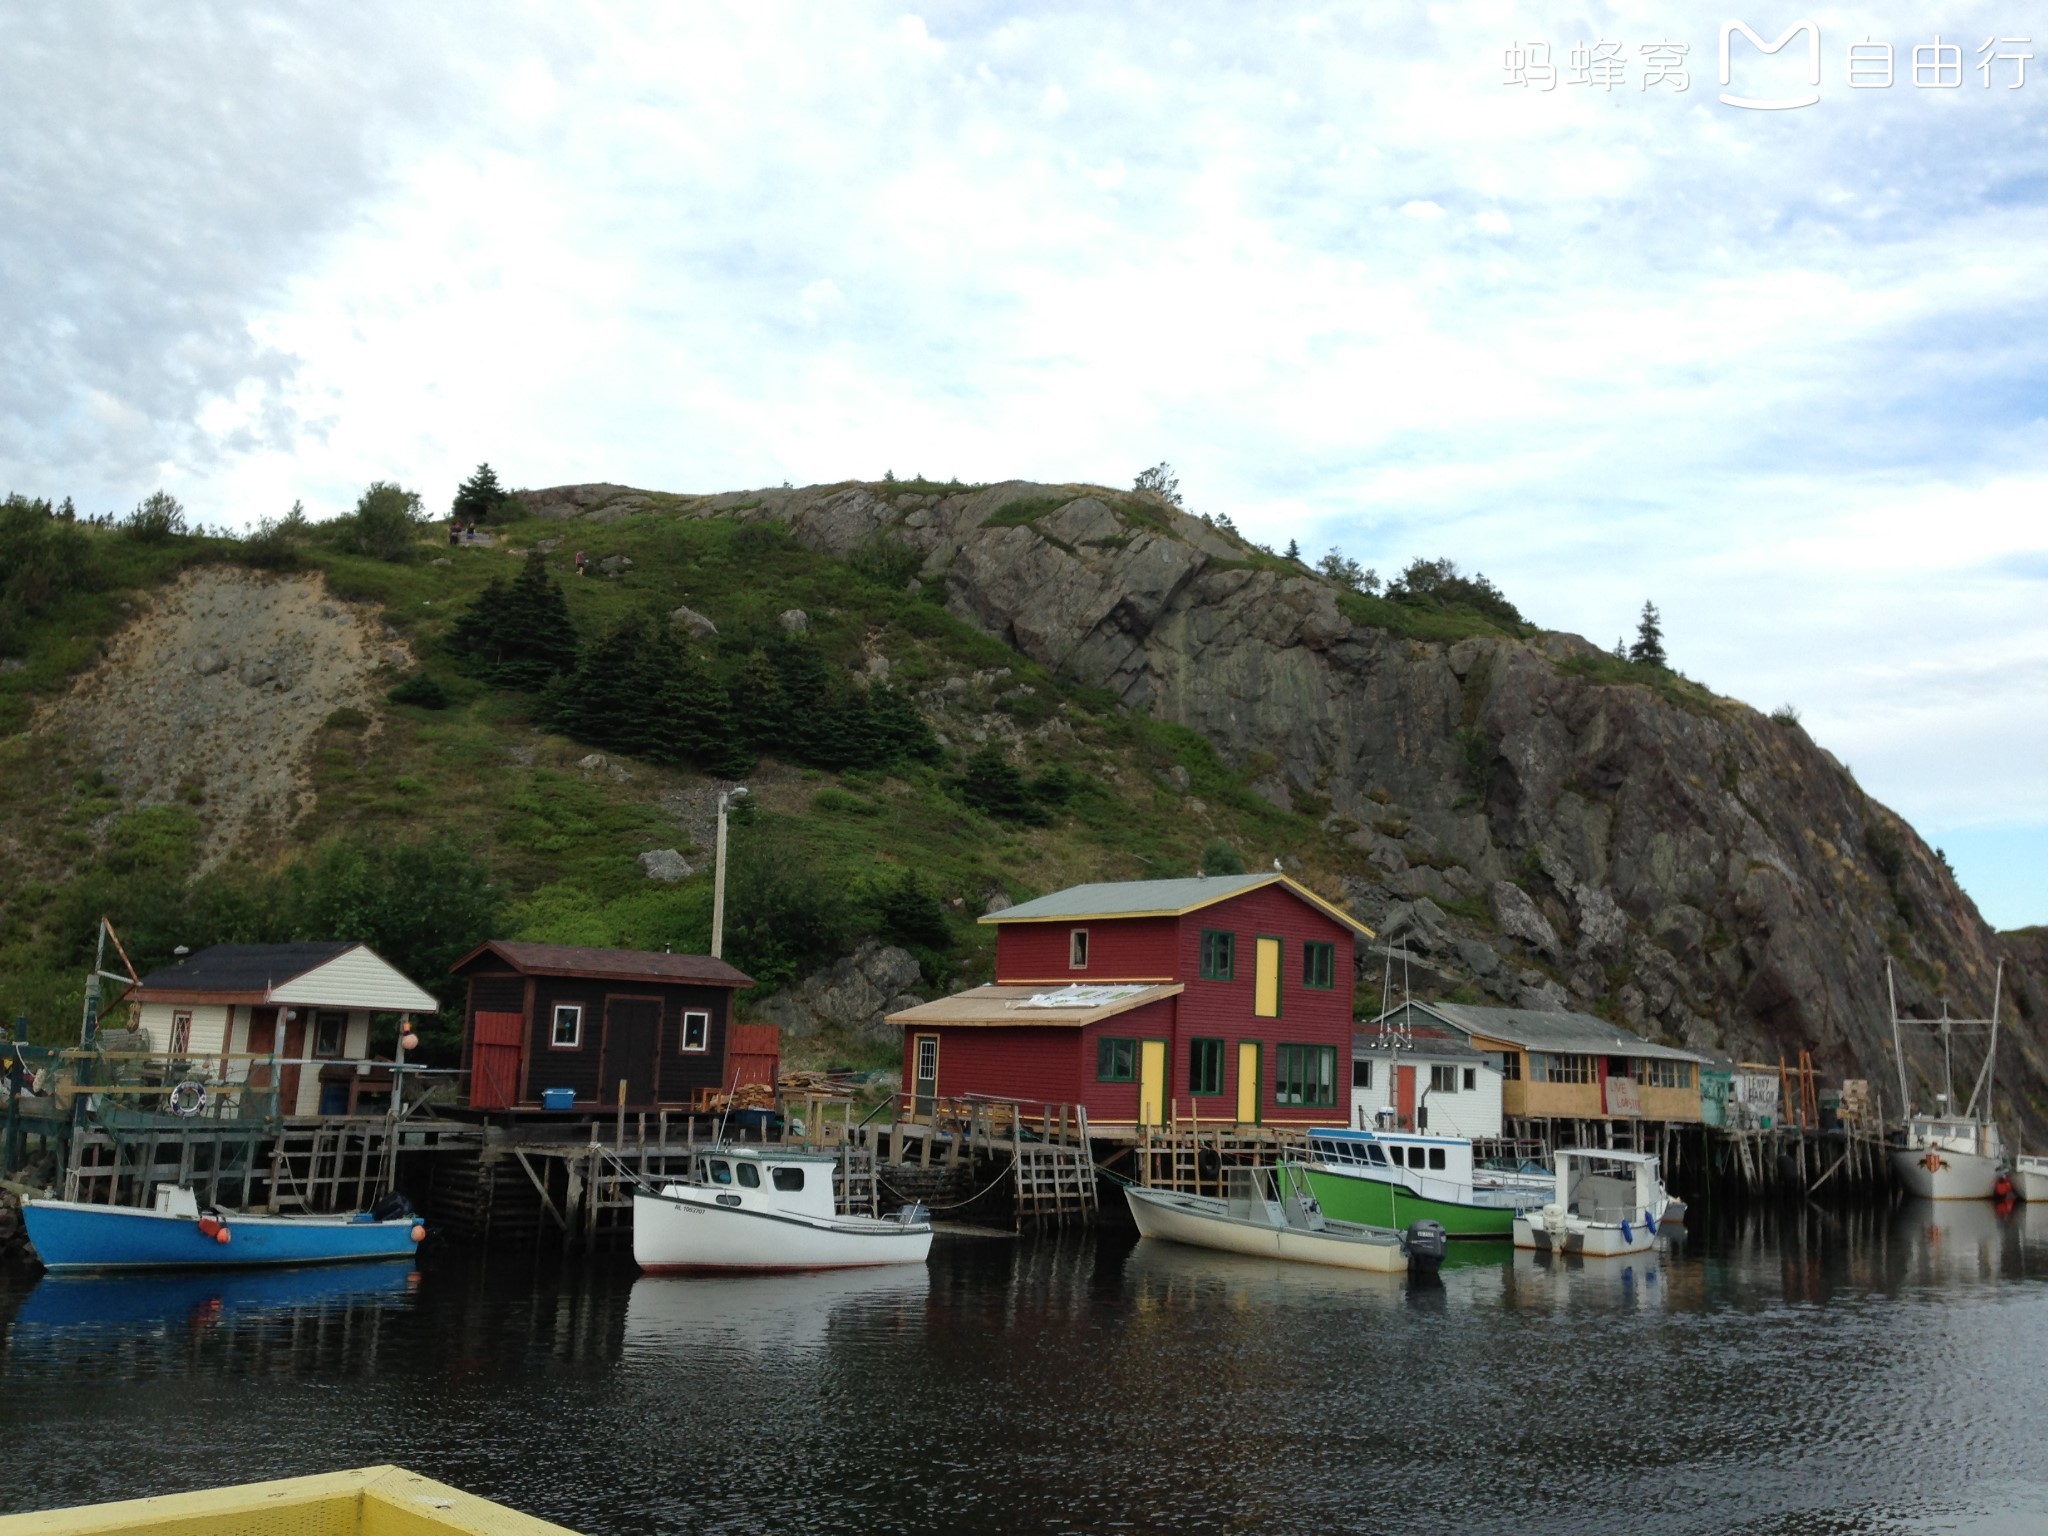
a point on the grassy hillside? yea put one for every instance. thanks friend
(430, 828)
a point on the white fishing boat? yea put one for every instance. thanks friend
(2031, 1175)
(1269, 1213)
(1948, 1156)
(1603, 1204)
(763, 1209)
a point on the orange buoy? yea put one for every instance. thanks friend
(209, 1226)
(419, 1232)
(224, 1236)
(2002, 1190)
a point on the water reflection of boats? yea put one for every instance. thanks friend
(1953, 1239)
(769, 1312)
(1629, 1282)
(128, 1301)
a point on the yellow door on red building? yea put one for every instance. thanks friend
(1152, 1082)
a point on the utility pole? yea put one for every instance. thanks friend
(725, 799)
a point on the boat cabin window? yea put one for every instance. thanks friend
(1415, 1157)
(788, 1179)
(1436, 1157)
(721, 1171)
(1374, 1155)
(750, 1176)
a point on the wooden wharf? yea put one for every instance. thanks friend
(568, 1180)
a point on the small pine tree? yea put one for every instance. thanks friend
(1649, 647)
(1293, 550)
(519, 634)
(1620, 649)
(1162, 481)
(992, 785)
(479, 498)
(157, 519)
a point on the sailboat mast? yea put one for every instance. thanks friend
(1898, 1044)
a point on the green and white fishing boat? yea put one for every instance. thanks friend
(1391, 1178)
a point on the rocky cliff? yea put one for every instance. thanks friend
(1540, 824)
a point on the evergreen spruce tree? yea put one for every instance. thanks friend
(1293, 550)
(519, 634)
(1649, 647)
(478, 499)
(993, 785)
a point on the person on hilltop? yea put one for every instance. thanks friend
(579, 562)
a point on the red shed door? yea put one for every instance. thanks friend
(1404, 1097)
(494, 1059)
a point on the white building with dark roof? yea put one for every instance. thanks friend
(308, 1005)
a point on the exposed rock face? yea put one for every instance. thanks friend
(857, 993)
(1686, 864)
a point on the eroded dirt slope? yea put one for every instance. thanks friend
(212, 696)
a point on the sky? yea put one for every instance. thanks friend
(1367, 277)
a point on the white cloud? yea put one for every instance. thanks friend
(1771, 369)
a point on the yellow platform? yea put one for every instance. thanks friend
(371, 1501)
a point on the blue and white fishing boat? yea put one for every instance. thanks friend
(70, 1236)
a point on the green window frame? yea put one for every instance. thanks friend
(1219, 955)
(1205, 1068)
(1319, 966)
(1116, 1060)
(1305, 1075)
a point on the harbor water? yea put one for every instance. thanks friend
(1874, 1372)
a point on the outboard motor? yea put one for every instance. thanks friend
(393, 1207)
(911, 1215)
(1426, 1244)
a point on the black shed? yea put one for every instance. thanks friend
(554, 1016)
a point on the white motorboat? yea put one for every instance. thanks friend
(1267, 1212)
(1604, 1204)
(1949, 1156)
(2031, 1175)
(764, 1208)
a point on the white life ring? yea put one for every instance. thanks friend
(188, 1098)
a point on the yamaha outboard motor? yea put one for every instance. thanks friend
(1425, 1242)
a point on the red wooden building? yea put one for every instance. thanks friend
(1149, 1002)
(544, 1016)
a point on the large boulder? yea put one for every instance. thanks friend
(695, 623)
(666, 865)
(1515, 915)
(857, 993)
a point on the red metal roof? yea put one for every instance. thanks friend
(607, 964)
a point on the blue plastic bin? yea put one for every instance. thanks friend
(558, 1098)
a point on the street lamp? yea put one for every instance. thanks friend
(725, 800)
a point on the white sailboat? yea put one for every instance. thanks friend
(1949, 1156)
